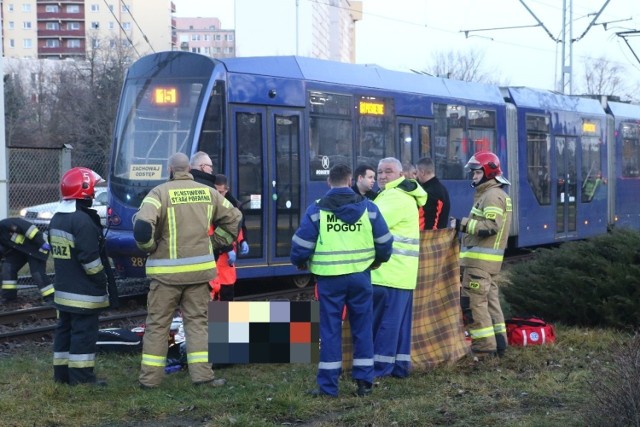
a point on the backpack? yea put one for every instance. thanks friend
(523, 331)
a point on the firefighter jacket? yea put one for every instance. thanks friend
(210, 180)
(172, 227)
(341, 233)
(20, 234)
(399, 203)
(487, 228)
(80, 279)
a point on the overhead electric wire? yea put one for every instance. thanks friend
(144, 36)
(122, 28)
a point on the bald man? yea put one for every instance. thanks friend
(171, 227)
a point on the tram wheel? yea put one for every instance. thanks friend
(301, 281)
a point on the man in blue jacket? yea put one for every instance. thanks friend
(340, 239)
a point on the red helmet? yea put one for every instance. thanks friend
(489, 163)
(79, 183)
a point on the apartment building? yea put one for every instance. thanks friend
(205, 36)
(69, 28)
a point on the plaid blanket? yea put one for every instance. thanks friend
(437, 331)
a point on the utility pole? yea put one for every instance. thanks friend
(566, 40)
(567, 48)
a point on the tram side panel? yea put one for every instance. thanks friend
(624, 176)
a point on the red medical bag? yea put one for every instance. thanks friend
(522, 331)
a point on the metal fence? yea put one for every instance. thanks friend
(34, 173)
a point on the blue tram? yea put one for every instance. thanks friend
(623, 136)
(276, 125)
(558, 159)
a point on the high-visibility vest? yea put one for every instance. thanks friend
(342, 248)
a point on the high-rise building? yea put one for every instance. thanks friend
(205, 36)
(69, 28)
(290, 27)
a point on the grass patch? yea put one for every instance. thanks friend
(533, 386)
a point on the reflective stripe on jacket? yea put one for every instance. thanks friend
(342, 248)
(399, 203)
(487, 228)
(180, 212)
(80, 279)
(20, 234)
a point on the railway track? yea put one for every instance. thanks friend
(19, 322)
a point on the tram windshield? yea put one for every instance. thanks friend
(157, 118)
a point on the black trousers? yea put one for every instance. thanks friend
(13, 262)
(74, 348)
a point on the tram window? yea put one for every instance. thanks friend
(330, 143)
(405, 132)
(451, 151)
(591, 167)
(153, 131)
(212, 135)
(425, 142)
(330, 133)
(630, 150)
(376, 130)
(538, 157)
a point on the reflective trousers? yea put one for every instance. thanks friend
(162, 301)
(482, 313)
(334, 292)
(13, 262)
(74, 348)
(392, 312)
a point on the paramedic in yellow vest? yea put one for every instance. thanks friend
(484, 239)
(394, 281)
(341, 237)
(172, 227)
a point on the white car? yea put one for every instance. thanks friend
(41, 215)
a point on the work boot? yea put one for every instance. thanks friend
(364, 388)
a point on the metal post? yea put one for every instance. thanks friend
(65, 159)
(4, 162)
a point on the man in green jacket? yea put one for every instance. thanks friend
(395, 280)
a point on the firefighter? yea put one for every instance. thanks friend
(75, 234)
(171, 226)
(22, 242)
(341, 237)
(484, 239)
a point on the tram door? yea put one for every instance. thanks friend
(268, 169)
(415, 139)
(567, 180)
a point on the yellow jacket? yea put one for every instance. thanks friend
(487, 228)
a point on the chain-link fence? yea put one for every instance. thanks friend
(34, 173)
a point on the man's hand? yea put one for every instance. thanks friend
(45, 248)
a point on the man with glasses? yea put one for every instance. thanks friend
(202, 169)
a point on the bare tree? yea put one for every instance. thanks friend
(604, 77)
(461, 65)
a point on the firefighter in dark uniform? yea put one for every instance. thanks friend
(75, 234)
(484, 239)
(22, 242)
(340, 239)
